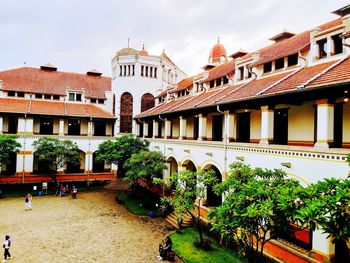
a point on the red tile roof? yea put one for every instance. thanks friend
(184, 84)
(339, 73)
(221, 71)
(34, 80)
(283, 48)
(55, 108)
(331, 24)
(299, 78)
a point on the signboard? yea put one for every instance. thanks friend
(44, 185)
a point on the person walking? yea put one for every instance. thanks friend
(74, 192)
(6, 246)
(28, 202)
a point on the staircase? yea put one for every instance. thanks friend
(118, 184)
(172, 220)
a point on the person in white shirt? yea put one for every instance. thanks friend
(6, 246)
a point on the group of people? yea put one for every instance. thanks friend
(62, 190)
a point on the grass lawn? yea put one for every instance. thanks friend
(134, 203)
(183, 245)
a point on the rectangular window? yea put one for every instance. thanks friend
(142, 67)
(100, 128)
(71, 96)
(129, 70)
(280, 128)
(146, 71)
(38, 96)
(11, 93)
(322, 48)
(56, 97)
(292, 60)
(73, 127)
(249, 75)
(101, 101)
(93, 100)
(225, 80)
(12, 125)
(279, 63)
(241, 73)
(337, 44)
(212, 83)
(120, 70)
(218, 82)
(78, 97)
(151, 72)
(267, 67)
(133, 70)
(20, 94)
(155, 72)
(243, 127)
(47, 96)
(46, 126)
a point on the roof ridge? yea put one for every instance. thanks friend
(205, 99)
(279, 81)
(323, 72)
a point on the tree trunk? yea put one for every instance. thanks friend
(199, 225)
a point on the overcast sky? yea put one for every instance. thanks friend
(77, 35)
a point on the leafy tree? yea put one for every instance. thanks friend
(258, 204)
(54, 153)
(326, 204)
(188, 187)
(118, 151)
(144, 165)
(8, 144)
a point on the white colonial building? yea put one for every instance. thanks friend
(137, 77)
(283, 106)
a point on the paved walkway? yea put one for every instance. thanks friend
(92, 228)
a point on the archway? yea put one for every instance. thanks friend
(10, 168)
(40, 167)
(189, 165)
(76, 168)
(147, 101)
(172, 166)
(213, 199)
(126, 111)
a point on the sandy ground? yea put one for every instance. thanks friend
(92, 228)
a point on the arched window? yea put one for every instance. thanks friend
(147, 102)
(126, 102)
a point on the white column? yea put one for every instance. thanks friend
(266, 125)
(330, 48)
(202, 127)
(167, 131)
(231, 126)
(155, 129)
(320, 243)
(145, 130)
(61, 127)
(325, 124)
(88, 162)
(1, 124)
(183, 126)
(90, 128)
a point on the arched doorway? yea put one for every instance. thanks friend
(40, 167)
(10, 168)
(97, 166)
(189, 165)
(212, 198)
(76, 168)
(147, 102)
(126, 110)
(172, 166)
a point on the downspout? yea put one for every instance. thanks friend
(225, 138)
(164, 144)
(89, 147)
(24, 146)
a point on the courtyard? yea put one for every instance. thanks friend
(91, 228)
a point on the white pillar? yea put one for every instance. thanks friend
(90, 128)
(88, 162)
(330, 48)
(61, 127)
(167, 132)
(145, 130)
(231, 126)
(325, 124)
(138, 129)
(155, 129)
(1, 124)
(202, 127)
(183, 126)
(322, 245)
(266, 135)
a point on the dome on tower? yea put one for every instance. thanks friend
(143, 51)
(217, 53)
